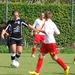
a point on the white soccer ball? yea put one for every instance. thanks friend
(15, 64)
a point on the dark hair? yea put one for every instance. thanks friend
(48, 14)
(41, 12)
(14, 12)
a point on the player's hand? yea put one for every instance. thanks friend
(6, 35)
(31, 33)
(3, 33)
(2, 36)
(38, 30)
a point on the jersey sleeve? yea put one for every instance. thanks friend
(24, 23)
(46, 28)
(56, 30)
(35, 23)
(7, 25)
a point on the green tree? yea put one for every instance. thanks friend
(41, 1)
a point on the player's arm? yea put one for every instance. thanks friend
(7, 34)
(34, 26)
(28, 25)
(3, 33)
(31, 33)
(31, 27)
(43, 31)
(56, 30)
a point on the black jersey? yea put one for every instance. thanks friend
(16, 28)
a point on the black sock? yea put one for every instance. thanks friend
(17, 55)
(12, 57)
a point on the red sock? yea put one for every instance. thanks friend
(61, 63)
(33, 50)
(39, 64)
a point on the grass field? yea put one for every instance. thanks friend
(27, 63)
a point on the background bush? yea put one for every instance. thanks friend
(29, 12)
(3, 49)
(67, 51)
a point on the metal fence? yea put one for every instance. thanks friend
(3, 42)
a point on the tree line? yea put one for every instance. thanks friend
(41, 1)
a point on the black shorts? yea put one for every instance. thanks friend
(17, 42)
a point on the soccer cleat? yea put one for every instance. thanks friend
(33, 55)
(12, 66)
(33, 73)
(67, 70)
(13, 61)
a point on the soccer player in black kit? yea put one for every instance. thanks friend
(15, 24)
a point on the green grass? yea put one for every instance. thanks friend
(27, 63)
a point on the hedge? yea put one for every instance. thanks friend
(29, 12)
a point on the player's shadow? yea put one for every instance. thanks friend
(11, 74)
(63, 73)
(71, 73)
(58, 73)
(69, 63)
(55, 62)
(52, 62)
(6, 66)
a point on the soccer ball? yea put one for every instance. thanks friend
(15, 64)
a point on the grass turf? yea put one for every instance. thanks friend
(27, 63)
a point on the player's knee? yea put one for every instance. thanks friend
(19, 52)
(41, 56)
(54, 57)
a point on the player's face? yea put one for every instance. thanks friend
(42, 15)
(16, 15)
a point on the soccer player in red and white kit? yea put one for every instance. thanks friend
(38, 37)
(49, 45)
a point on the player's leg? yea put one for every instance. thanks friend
(42, 38)
(13, 49)
(53, 52)
(18, 49)
(40, 61)
(33, 50)
(38, 66)
(43, 51)
(13, 52)
(62, 64)
(36, 41)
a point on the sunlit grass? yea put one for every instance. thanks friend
(27, 63)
